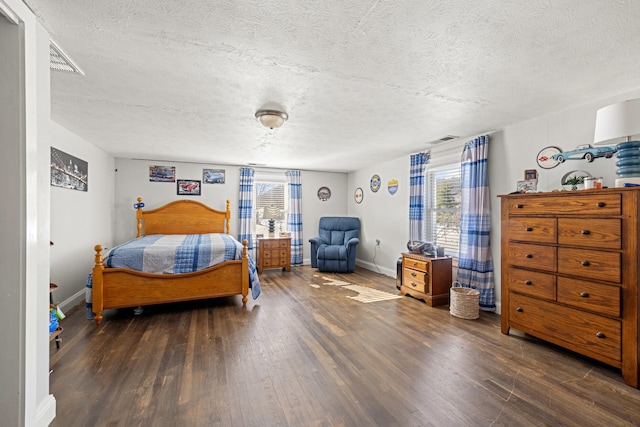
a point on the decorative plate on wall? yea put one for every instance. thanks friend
(358, 195)
(324, 193)
(375, 183)
(548, 157)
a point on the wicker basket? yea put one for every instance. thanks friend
(464, 302)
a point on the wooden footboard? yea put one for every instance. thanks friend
(121, 287)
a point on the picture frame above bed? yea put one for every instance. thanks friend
(188, 187)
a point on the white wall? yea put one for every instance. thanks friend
(79, 219)
(132, 181)
(383, 216)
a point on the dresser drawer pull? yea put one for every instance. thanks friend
(586, 232)
(519, 206)
(528, 282)
(528, 256)
(519, 310)
(585, 263)
(584, 294)
(413, 274)
(413, 284)
(601, 204)
(529, 229)
(600, 335)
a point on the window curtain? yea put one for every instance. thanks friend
(245, 206)
(294, 218)
(475, 264)
(416, 195)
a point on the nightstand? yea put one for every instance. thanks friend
(274, 252)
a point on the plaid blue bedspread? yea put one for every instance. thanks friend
(175, 254)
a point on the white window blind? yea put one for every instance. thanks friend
(442, 211)
(271, 194)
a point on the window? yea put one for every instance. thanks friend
(442, 211)
(271, 194)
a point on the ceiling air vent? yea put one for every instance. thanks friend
(443, 139)
(59, 61)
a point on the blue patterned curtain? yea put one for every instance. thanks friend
(475, 265)
(294, 219)
(416, 195)
(245, 206)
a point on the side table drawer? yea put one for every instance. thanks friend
(416, 264)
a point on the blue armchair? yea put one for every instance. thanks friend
(335, 249)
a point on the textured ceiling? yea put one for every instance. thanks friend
(363, 81)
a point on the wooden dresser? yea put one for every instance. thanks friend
(428, 279)
(274, 252)
(570, 272)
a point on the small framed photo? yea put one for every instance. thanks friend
(528, 186)
(162, 173)
(213, 176)
(188, 187)
(530, 174)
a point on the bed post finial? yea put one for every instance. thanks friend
(140, 205)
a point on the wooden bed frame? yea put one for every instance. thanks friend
(122, 287)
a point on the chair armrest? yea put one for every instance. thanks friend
(352, 242)
(318, 241)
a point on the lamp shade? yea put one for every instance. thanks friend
(271, 212)
(271, 118)
(621, 120)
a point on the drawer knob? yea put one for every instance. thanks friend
(519, 206)
(413, 274)
(413, 284)
(528, 282)
(529, 229)
(585, 263)
(601, 204)
(528, 256)
(584, 294)
(600, 335)
(519, 310)
(586, 232)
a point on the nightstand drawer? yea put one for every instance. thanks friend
(414, 275)
(415, 285)
(415, 264)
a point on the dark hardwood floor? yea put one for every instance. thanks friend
(304, 354)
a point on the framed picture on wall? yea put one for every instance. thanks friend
(213, 176)
(162, 173)
(188, 187)
(68, 171)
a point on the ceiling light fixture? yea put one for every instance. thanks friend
(271, 118)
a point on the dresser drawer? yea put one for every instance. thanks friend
(415, 264)
(532, 256)
(588, 204)
(590, 232)
(532, 283)
(414, 275)
(603, 299)
(590, 332)
(590, 264)
(540, 230)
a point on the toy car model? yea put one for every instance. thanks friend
(585, 151)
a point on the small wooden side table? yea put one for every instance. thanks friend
(428, 279)
(274, 252)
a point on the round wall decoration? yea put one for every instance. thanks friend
(324, 193)
(375, 183)
(392, 186)
(358, 195)
(548, 157)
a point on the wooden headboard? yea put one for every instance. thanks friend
(183, 217)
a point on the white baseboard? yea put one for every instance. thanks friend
(46, 411)
(72, 301)
(373, 267)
